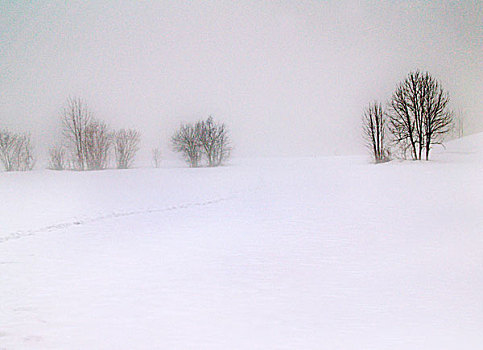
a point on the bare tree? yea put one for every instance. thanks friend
(126, 145)
(26, 160)
(76, 118)
(186, 141)
(459, 125)
(418, 114)
(215, 141)
(57, 158)
(8, 146)
(16, 151)
(156, 152)
(374, 130)
(97, 142)
(403, 118)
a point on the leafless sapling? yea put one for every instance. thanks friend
(126, 145)
(186, 141)
(98, 141)
(374, 131)
(215, 141)
(458, 125)
(156, 153)
(26, 159)
(16, 151)
(57, 158)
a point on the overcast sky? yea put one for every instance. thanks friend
(288, 77)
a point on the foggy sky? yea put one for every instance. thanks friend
(288, 77)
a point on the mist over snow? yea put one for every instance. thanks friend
(289, 78)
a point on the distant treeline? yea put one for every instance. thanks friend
(87, 143)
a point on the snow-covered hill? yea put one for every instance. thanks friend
(465, 149)
(308, 253)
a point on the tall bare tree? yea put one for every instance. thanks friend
(215, 141)
(403, 120)
(374, 131)
(418, 115)
(16, 151)
(88, 139)
(76, 118)
(126, 145)
(186, 141)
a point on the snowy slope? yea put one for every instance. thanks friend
(465, 149)
(310, 253)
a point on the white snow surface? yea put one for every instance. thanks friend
(309, 253)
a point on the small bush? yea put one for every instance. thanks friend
(16, 151)
(126, 145)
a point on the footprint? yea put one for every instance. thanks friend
(23, 308)
(32, 339)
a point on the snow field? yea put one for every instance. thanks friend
(314, 253)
